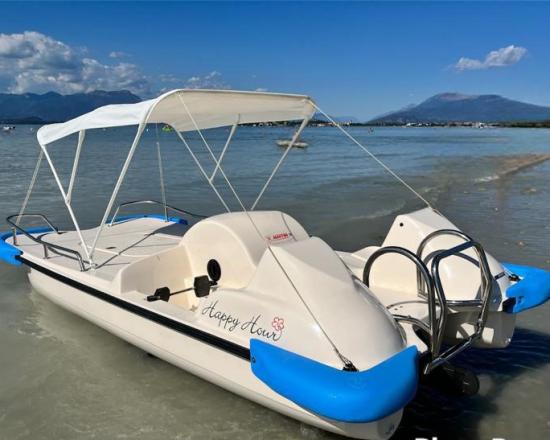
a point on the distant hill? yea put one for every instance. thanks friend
(455, 107)
(322, 118)
(52, 107)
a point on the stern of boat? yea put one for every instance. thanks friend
(442, 285)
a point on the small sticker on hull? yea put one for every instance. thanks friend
(280, 236)
(278, 324)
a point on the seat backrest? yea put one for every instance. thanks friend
(237, 243)
(460, 275)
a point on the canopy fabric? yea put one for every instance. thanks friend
(182, 109)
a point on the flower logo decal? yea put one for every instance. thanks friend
(278, 324)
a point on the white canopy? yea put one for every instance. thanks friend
(182, 109)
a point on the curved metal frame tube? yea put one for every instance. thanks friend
(55, 248)
(486, 281)
(436, 294)
(118, 184)
(433, 327)
(153, 202)
(89, 255)
(425, 241)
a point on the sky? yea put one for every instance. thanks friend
(356, 59)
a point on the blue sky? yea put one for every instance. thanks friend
(358, 59)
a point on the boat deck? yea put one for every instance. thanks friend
(119, 245)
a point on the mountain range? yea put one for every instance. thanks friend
(53, 107)
(456, 107)
(441, 108)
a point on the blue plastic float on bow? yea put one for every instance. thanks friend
(532, 290)
(8, 252)
(122, 218)
(345, 396)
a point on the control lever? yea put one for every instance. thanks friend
(164, 294)
(201, 284)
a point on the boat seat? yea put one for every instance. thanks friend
(237, 243)
(398, 303)
(168, 268)
(395, 300)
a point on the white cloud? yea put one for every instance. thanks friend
(169, 78)
(118, 54)
(34, 62)
(212, 80)
(505, 56)
(261, 89)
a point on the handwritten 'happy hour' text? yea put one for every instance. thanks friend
(229, 322)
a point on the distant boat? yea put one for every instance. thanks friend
(286, 142)
(7, 128)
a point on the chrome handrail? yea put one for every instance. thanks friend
(434, 323)
(436, 296)
(15, 226)
(425, 241)
(486, 281)
(154, 202)
(55, 248)
(486, 293)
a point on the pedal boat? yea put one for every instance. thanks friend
(248, 300)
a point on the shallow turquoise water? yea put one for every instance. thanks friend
(65, 378)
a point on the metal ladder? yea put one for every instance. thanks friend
(430, 287)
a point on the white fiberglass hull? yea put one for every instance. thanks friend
(195, 356)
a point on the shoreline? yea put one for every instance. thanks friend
(317, 124)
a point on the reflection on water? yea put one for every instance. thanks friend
(65, 378)
(510, 380)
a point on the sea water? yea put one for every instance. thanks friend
(64, 378)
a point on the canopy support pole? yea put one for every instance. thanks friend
(67, 204)
(161, 175)
(281, 160)
(118, 185)
(344, 360)
(202, 170)
(31, 186)
(373, 156)
(219, 162)
(216, 161)
(81, 136)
